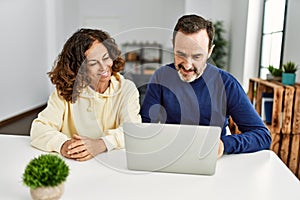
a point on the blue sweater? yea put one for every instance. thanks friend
(209, 100)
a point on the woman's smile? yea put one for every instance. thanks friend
(104, 74)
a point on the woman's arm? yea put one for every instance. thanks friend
(129, 112)
(45, 130)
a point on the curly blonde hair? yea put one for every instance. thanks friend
(69, 74)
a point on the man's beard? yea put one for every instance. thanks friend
(194, 77)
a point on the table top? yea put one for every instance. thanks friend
(261, 175)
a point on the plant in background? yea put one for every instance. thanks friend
(290, 67)
(44, 171)
(274, 71)
(289, 73)
(219, 53)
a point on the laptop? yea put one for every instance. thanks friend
(175, 148)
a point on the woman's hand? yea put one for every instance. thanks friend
(82, 148)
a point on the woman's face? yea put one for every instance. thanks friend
(99, 65)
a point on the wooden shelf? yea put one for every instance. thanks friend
(285, 125)
(140, 57)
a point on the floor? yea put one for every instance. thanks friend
(21, 126)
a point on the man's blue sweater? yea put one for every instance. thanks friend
(209, 100)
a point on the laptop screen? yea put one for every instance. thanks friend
(174, 148)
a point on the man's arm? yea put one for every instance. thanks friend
(255, 136)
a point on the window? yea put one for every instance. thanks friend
(272, 35)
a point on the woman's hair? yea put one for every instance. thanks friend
(189, 24)
(69, 74)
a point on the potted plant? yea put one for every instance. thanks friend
(275, 73)
(289, 73)
(218, 56)
(45, 176)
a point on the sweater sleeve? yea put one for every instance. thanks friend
(129, 112)
(255, 136)
(45, 129)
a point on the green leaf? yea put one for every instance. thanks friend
(45, 170)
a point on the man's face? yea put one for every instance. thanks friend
(191, 53)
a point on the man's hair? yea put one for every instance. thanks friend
(189, 24)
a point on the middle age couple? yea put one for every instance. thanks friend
(85, 113)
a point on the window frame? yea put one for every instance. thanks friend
(270, 34)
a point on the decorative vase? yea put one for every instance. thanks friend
(47, 193)
(288, 78)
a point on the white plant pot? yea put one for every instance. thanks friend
(47, 193)
(269, 77)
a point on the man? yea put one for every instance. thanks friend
(192, 91)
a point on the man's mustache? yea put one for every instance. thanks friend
(180, 66)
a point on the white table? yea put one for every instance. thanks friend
(254, 176)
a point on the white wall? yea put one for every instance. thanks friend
(23, 53)
(55, 33)
(292, 41)
(238, 38)
(252, 43)
(126, 21)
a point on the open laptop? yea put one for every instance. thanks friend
(176, 148)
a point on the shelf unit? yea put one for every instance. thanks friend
(285, 125)
(142, 58)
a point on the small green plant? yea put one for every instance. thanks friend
(290, 67)
(274, 71)
(220, 50)
(45, 170)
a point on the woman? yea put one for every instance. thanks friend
(85, 113)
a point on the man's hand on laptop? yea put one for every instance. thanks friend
(221, 149)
